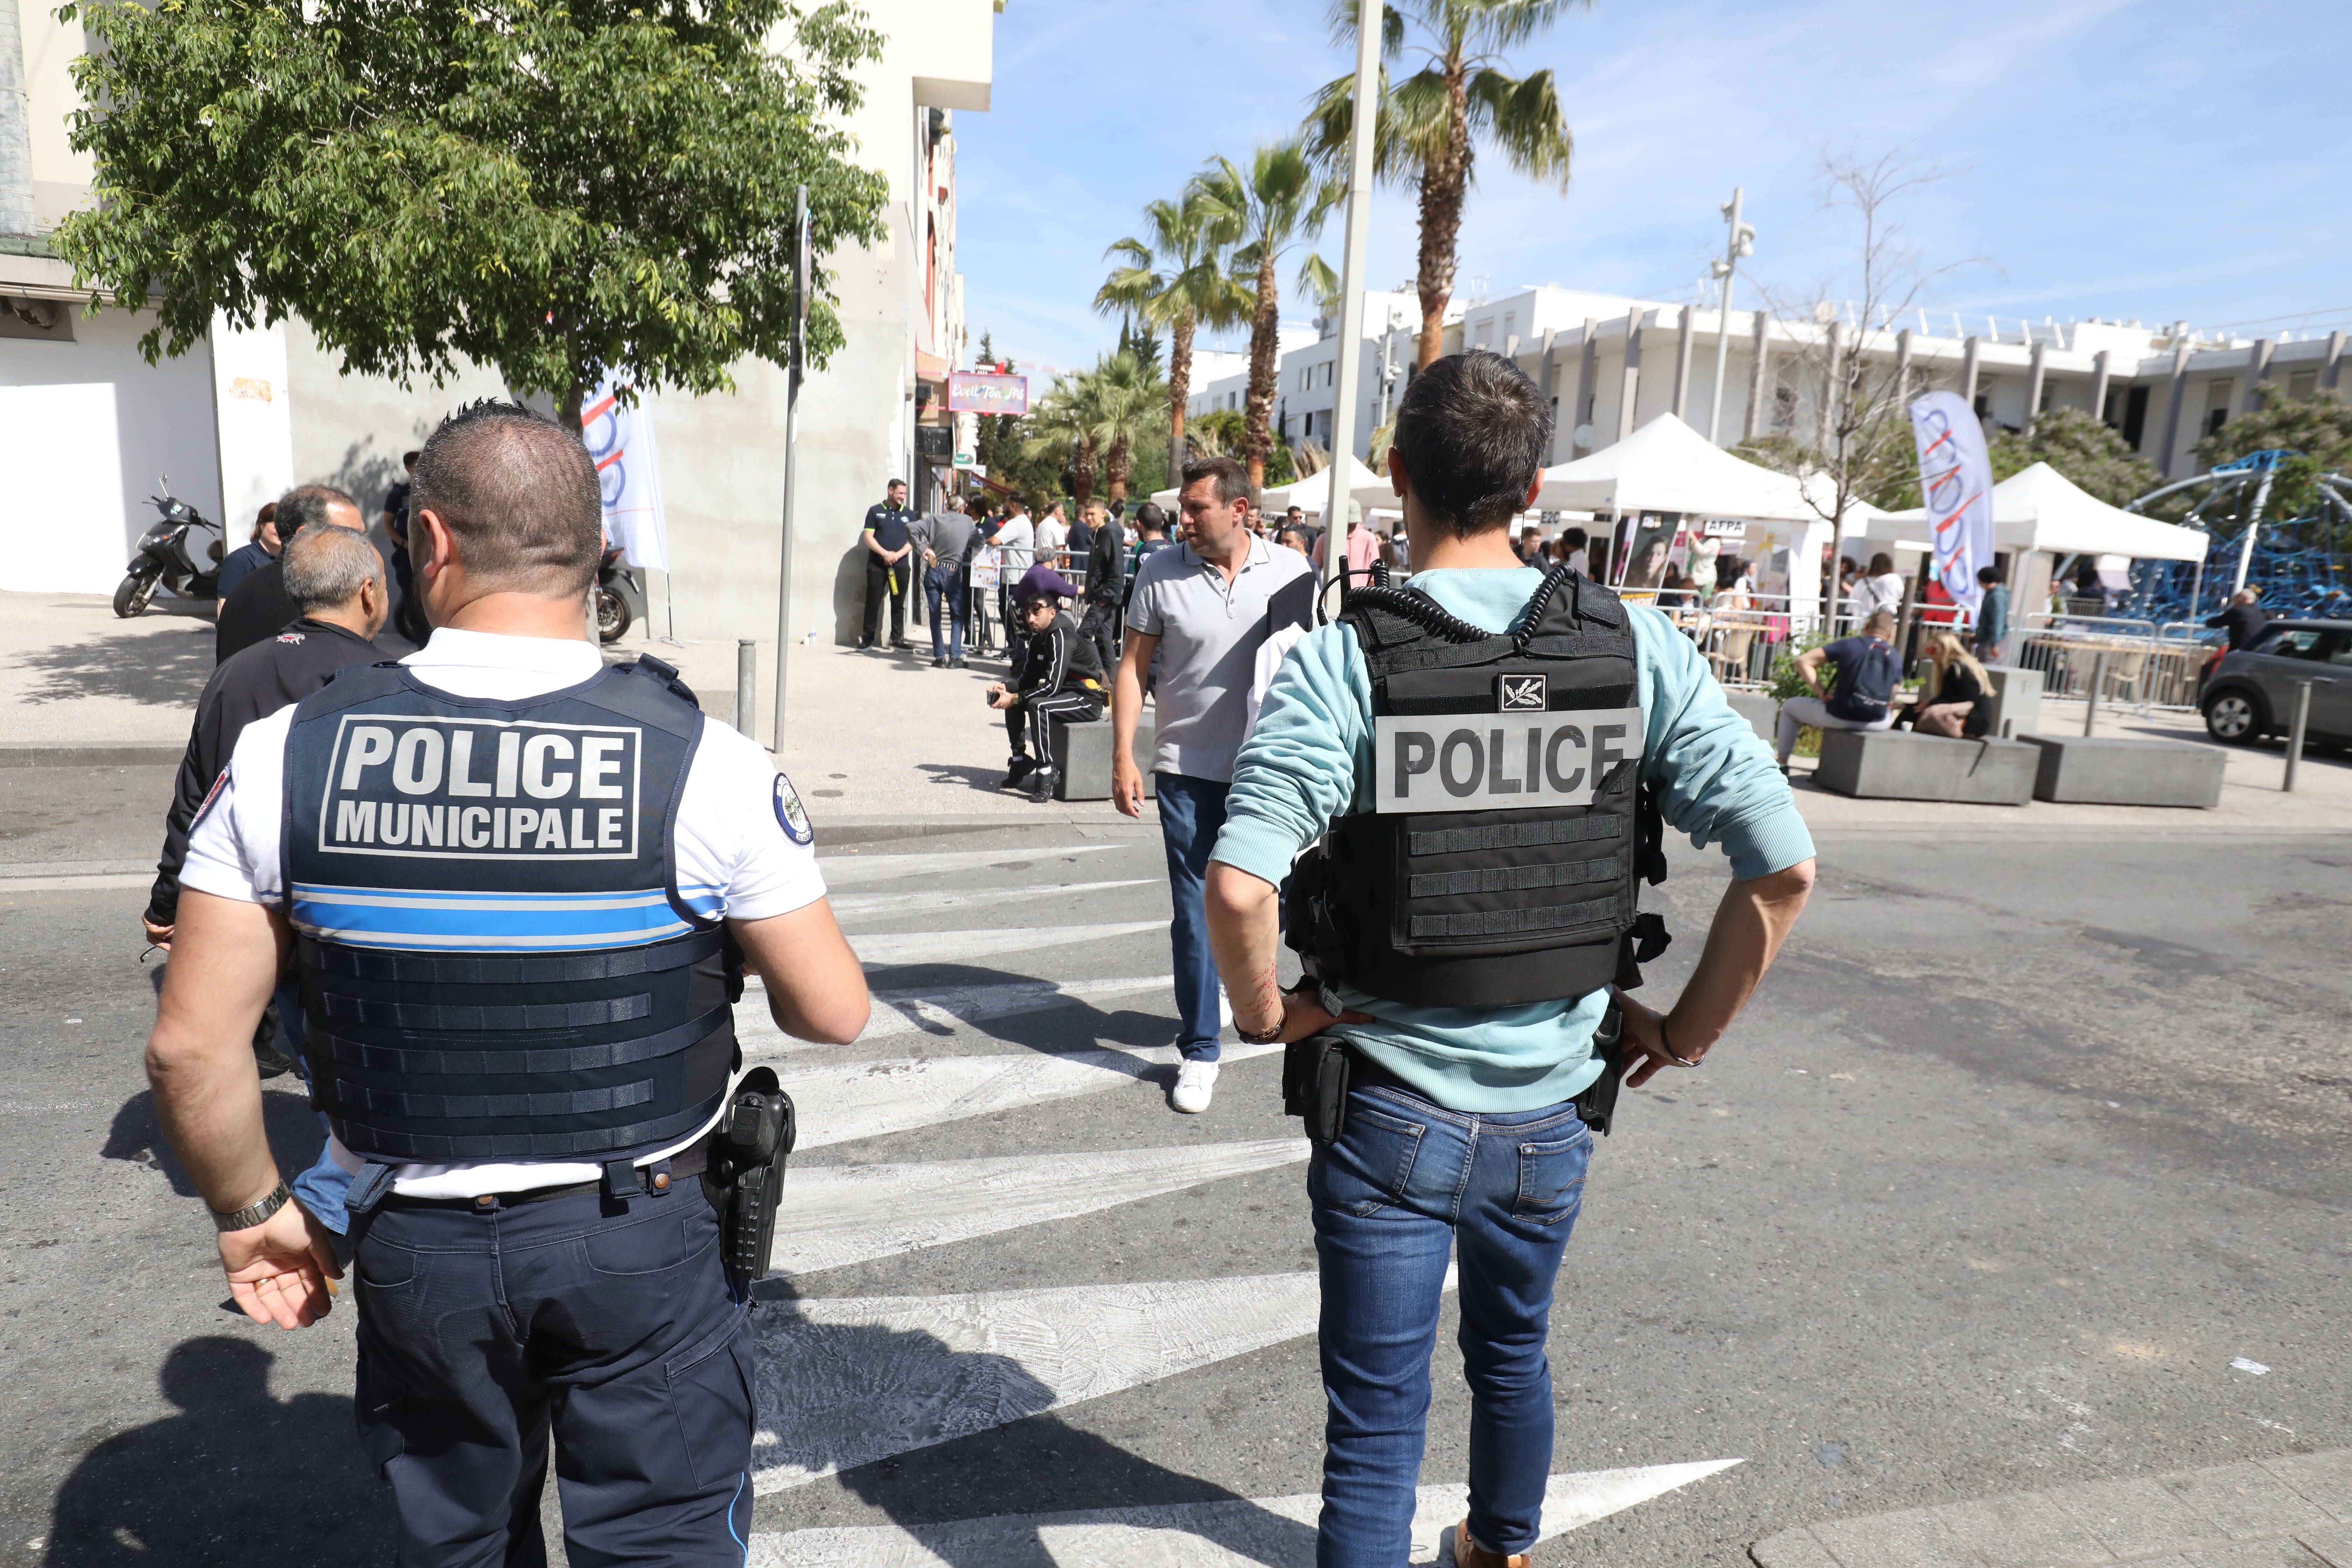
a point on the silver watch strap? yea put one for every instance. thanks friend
(254, 1212)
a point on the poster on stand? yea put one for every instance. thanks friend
(628, 468)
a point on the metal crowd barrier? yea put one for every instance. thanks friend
(2138, 664)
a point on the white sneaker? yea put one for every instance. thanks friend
(1196, 1083)
(1224, 1009)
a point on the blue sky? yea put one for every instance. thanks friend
(2156, 159)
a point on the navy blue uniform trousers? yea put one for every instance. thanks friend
(485, 1329)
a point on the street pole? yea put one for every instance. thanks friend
(791, 441)
(1338, 511)
(2295, 733)
(2091, 700)
(747, 682)
(1742, 243)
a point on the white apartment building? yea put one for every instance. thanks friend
(91, 424)
(1613, 363)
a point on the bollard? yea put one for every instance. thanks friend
(2295, 733)
(2099, 681)
(747, 675)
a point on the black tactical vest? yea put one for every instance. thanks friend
(496, 961)
(1510, 832)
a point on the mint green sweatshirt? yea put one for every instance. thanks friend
(1311, 759)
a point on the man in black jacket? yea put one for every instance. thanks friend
(2243, 619)
(1106, 588)
(1057, 675)
(334, 580)
(260, 607)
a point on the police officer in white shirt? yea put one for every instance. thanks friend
(520, 890)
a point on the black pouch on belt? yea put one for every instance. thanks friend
(1314, 1073)
(747, 1172)
(1597, 1104)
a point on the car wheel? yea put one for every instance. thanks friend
(2234, 718)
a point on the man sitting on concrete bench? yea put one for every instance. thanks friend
(1863, 695)
(1057, 673)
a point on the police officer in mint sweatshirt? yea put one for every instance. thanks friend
(1460, 1136)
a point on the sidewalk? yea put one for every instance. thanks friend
(884, 742)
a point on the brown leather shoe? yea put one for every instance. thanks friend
(1468, 1553)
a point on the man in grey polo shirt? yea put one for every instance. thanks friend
(1201, 607)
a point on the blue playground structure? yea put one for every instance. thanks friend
(2280, 556)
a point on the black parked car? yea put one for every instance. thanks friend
(2251, 693)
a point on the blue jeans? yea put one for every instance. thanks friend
(946, 582)
(1407, 1183)
(1192, 813)
(322, 1187)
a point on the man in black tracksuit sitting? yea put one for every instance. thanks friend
(1056, 674)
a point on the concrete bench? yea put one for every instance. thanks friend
(1759, 709)
(1083, 751)
(2106, 770)
(2015, 700)
(1897, 765)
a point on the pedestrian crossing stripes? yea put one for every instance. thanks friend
(963, 946)
(851, 871)
(867, 906)
(937, 1010)
(835, 1216)
(1262, 1533)
(867, 1098)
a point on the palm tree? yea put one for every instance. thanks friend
(1174, 276)
(1278, 203)
(1094, 418)
(1429, 125)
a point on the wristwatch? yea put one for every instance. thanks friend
(254, 1212)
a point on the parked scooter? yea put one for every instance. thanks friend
(181, 552)
(620, 597)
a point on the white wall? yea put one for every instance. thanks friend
(102, 426)
(253, 419)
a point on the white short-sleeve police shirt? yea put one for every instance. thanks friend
(736, 857)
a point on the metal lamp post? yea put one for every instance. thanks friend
(1741, 243)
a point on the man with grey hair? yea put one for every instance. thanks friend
(261, 606)
(335, 580)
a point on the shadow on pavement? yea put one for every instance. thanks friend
(237, 1477)
(932, 1435)
(1055, 1023)
(295, 1137)
(161, 671)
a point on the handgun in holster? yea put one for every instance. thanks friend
(1596, 1103)
(746, 1172)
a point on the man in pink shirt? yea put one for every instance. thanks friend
(1363, 548)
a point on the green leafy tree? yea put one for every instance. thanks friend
(2317, 429)
(2080, 446)
(1095, 418)
(1428, 126)
(1278, 204)
(1174, 275)
(555, 189)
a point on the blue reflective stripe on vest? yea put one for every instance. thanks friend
(439, 919)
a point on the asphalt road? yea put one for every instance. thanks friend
(2025, 1140)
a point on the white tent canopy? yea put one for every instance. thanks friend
(2042, 509)
(1667, 465)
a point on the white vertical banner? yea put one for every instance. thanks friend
(629, 468)
(1956, 483)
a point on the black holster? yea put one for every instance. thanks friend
(746, 1174)
(1596, 1104)
(1314, 1074)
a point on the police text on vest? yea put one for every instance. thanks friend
(1496, 762)
(481, 789)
